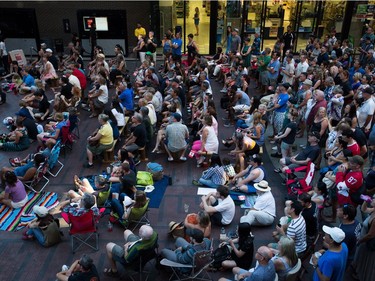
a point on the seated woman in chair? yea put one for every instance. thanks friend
(27, 171)
(286, 257)
(124, 205)
(44, 228)
(52, 131)
(86, 203)
(14, 196)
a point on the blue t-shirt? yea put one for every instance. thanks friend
(28, 80)
(282, 101)
(352, 232)
(176, 51)
(332, 264)
(262, 272)
(126, 98)
(276, 66)
(256, 47)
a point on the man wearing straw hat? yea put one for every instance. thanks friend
(264, 210)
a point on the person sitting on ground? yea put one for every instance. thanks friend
(242, 248)
(104, 137)
(30, 125)
(200, 221)
(309, 154)
(124, 183)
(176, 135)
(129, 253)
(14, 196)
(26, 172)
(185, 251)
(82, 269)
(44, 228)
(264, 210)
(219, 205)
(286, 257)
(28, 81)
(17, 140)
(43, 105)
(244, 181)
(214, 176)
(265, 271)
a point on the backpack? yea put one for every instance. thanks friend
(156, 170)
(219, 255)
(144, 178)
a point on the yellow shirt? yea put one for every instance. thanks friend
(140, 31)
(107, 134)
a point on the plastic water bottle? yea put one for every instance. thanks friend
(110, 226)
(223, 235)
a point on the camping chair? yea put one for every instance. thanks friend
(296, 185)
(138, 216)
(201, 261)
(306, 256)
(82, 230)
(145, 256)
(39, 176)
(292, 275)
(53, 160)
(66, 138)
(74, 129)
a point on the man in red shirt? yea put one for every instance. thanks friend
(349, 181)
(347, 136)
(80, 75)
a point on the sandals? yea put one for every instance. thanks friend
(15, 162)
(110, 273)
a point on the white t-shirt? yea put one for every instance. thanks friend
(266, 203)
(2, 47)
(367, 108)
(74, 81)
(104, 95)
(289, 68)
(119, 117)
(227, 209)
(152, 113)
(301, 67)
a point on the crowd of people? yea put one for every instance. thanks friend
(325, 91)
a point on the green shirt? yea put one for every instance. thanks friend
(266, 60)
(133, 252)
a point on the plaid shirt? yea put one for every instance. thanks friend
(76, 212)
(216, 174)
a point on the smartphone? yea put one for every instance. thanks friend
(366, 198)
(279, 225)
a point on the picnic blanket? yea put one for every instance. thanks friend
(16, 219)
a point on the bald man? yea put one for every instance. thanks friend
(265, 271)
(129, 253)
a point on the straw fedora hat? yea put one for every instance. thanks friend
(262, 186)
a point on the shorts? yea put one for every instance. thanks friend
(285, 146)
(118, 252)
(96, 150)
(20, 204)
(289, 163)
(21, 171)
(251, 188)
(98, 104)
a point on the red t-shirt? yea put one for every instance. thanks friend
(354, 148)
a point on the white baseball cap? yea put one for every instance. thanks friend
(337, 234)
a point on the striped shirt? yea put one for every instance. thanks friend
(217, 174)
(297, 231)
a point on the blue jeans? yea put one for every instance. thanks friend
(208, 183)
(170, 254)
(38, 234)
(241, 124)
(117, 205)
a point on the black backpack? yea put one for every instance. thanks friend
(219, 255)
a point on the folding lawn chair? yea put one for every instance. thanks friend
(53, 160)
(201, 261)
(297, 185)
(40, 175)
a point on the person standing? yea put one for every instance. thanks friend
(176, 47)
(196, 20)
(288, 39)
(235, 46)
(331, 265)
(93, 37)
(4, 54)
(139, 30)
(151, 45)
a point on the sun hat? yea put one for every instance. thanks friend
(336, 233)
(262, 186)
(40, 211)
(173, 225)
(307, 82)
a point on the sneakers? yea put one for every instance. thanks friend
(196, 183)
(274, 147)
(88, 165)
(64, 268)
(228, 125)
(137, 161)
(223, 90)
(170, 159)
(182, 158)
